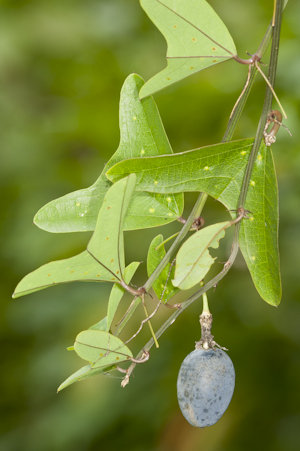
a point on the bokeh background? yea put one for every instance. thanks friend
(62, 65)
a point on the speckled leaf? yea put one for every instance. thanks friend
(117, 293)
(193, 260)
(142, 134)
(106, 244)
(153, 259)
(104, 258)
(81, 268)
(219, 170)
(101, 349)
(259, 235)
(196, 38)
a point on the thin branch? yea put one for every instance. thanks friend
(239, 109)
(272, 89)
(267, 104)
(242, 93)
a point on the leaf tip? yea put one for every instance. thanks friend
(144, 92)
(16, 294)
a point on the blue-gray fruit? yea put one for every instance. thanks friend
(205, 386)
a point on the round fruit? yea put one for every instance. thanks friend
(205, 386)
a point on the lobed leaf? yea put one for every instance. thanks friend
(217, 170)
(81, 268)
(104, 258)
(196, 37)
(153, 259)
(142, 134)
(193, 260)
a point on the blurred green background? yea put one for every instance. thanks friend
(62, 65)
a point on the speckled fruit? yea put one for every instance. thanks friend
(205, 386)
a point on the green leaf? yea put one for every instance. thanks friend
(101, 325)
(196, 38)
(84, 373)
(117, 293)
(258, 236)
(82, 267)
(193, 260)
(142, 134)
(219, 171)
(101, 349)
(104, 258)
(106, 244)
(153, 259)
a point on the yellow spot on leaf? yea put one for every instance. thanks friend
(194, 39)
(77, 204)
(155, 182)
(134, 118)
(191, 68)
(243, 152)
(111, 260)
(151, 210)
(213, 48)
(107, 237)
(175, 26)
(170, 214)
(259, 157)
(49, 275)
(251, 219)
(252, 183)
(117, 358)
(168, 78)
(71, 272)
(214, 61)
(206, 168)
(169, 199)
(253, 258)
(142, 152)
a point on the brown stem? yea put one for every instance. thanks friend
(249, 61)
(207, 339)
(275, 117)
(242, 213)
(139, 292)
